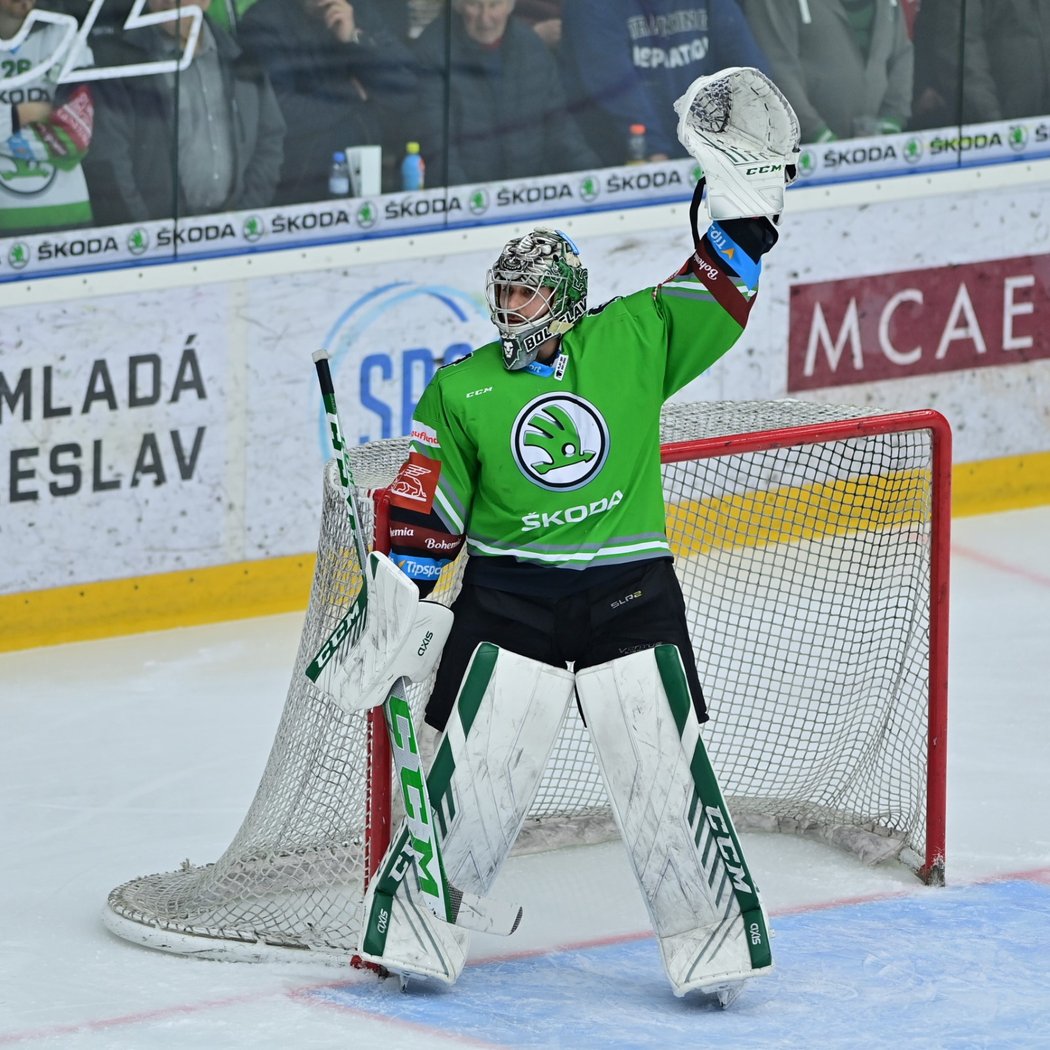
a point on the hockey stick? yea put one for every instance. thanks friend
(445, 901)
(352, 624)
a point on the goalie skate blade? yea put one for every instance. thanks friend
(724, 994)
(483, 914)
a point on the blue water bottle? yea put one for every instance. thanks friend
(412, 168)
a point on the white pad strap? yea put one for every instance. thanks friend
(701, 898)
(484, 776)
(403, 638)
(744, 134)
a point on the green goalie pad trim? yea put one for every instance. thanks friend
(707, 798)
(482, 665)
(377, 922)
(468, 703)
(669, 663)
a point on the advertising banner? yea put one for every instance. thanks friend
(919, 322)
(114, 436)
(341, 219)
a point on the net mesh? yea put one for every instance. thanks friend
(806, 574)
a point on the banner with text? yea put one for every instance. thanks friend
(153, 431)
(916, 322)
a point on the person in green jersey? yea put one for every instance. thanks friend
(541, 451)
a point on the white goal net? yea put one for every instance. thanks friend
(811, 544)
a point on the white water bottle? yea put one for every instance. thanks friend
(339, 176)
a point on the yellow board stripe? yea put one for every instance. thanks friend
(989, 486)
(88, 611)
(793, 513)
(261, 588)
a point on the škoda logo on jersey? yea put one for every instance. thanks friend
(560, 442)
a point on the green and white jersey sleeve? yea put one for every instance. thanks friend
(561, 467)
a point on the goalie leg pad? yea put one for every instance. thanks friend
(489, 764)
(399, 931)
(485, 774)
(703, 903)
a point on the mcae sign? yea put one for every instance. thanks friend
(917, 322)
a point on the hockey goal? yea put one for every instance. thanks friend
(812, 546)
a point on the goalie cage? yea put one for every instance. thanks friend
(811, 542)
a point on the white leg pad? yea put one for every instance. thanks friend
(484, 776)
(667, 804)
(490, 762)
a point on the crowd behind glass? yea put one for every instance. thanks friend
(276, 90)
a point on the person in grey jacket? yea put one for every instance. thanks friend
(1001, 71)
(207, 139)
(492, 83)
(845, 65)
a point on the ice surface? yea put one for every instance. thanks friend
(123, 757)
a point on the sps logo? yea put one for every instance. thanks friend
(386, 346)
(560, 442)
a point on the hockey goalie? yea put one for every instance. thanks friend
(540, 452)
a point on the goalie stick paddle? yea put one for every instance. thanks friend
(445, 901)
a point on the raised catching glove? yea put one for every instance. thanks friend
(745, 135)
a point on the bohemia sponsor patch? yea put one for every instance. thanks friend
(417, 538)
(416, 483)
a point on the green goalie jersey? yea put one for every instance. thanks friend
(556, 465)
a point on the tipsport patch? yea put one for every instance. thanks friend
(746, 268)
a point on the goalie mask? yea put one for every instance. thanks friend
(544, 264)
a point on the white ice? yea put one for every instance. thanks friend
(123, 757)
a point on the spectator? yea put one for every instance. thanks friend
(45, 130)
(206, 139)
(420, 13)
(496, 88)
(845, 65)
(545, 18)
(626, 61)
(1004, 72)
(340, 76)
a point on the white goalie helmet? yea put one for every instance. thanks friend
(542, 259)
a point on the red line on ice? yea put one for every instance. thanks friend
(998, 564)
